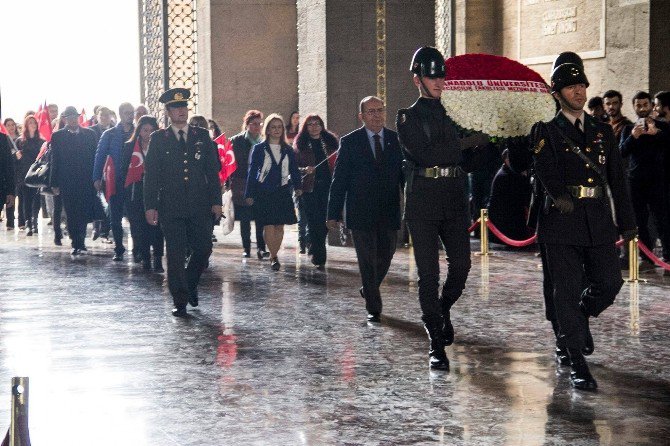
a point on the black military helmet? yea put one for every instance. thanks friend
(428, 62)
(567, 74)
(567, 57)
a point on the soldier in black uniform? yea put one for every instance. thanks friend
(436, 201)
(577, 160)
(182, 192)
(521, 159)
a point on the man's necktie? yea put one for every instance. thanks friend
(182, 141)
(378, 149)
(578, 124)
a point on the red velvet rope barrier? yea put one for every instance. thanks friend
(507, 240)
(474, 225)
(652, 257)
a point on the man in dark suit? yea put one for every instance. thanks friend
(72, 157)
(182, 192)
(577, 161)
(368, 177)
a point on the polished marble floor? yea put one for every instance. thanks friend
(286, 358)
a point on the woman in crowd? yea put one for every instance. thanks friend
(242, 143)
(292, 127)
(28, 147)
(273, 172)
(214, 129)
(13, 133)
(314, 146)
(144, 235)
(199, 121)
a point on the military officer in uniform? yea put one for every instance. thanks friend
(577, 160)
(182, 193)
(436, 200)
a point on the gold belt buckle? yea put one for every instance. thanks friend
(586, 192)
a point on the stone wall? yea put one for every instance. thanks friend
(624, 43)
(337, 56)
(252, 59)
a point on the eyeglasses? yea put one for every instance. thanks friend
(373, 111)
(314, 124)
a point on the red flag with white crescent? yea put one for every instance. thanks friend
(109, 175)
(226, 157)
(136, 166)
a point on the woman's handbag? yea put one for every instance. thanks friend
(40, 171)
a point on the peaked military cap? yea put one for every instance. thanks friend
(428, 62)
(567, 74)
(567, 57)
(175, 97)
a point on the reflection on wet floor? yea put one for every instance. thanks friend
(287, 358)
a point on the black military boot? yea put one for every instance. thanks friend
(561, 352)
(580, 377)
(588, 339)
(438, 357)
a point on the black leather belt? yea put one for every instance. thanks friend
(441, 172)
(586, 191)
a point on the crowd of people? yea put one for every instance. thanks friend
(165, 182)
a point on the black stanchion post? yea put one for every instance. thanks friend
(18, 428)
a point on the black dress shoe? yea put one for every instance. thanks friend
(179, 312)
(439, 362)
(246, 255)
(29, 233)
(303, 250)
(374, 317)
(321, 267)
(117, 257)
(266, 254)
(193, 298)
(158, 264)
(57, 242)
(581, 379)
(275, 264)
(75, 252)
(448, 329)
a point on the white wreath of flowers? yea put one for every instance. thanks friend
(499, 114)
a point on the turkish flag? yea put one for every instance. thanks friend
(226, 157)
(83, 122)
(136, 166)
(43, 124)
(109, 175)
